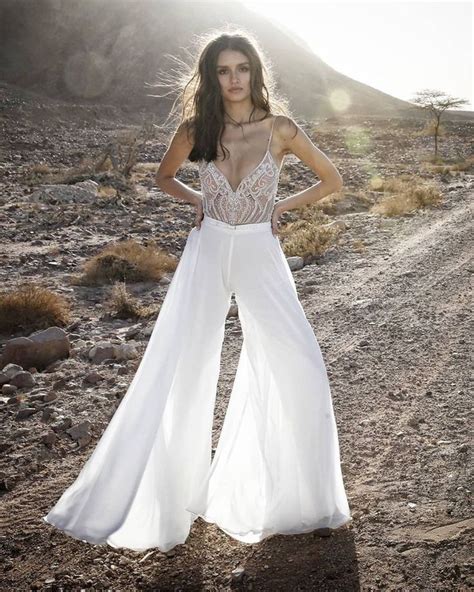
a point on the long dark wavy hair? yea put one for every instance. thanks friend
(202, 108)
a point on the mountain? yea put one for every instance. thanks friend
(104, 51)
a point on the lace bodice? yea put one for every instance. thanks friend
(253, 200)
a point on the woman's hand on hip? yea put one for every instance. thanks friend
(277, 211)
(199, 214)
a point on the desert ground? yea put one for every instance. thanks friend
(389, 301)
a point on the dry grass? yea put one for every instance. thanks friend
(30, 307)
(341, 202)
(127, 261)
(328, 204)
(404, 194)
(40, 168)
(459, 165)
(143, 170)
(309, 235)
(107, 191)
(122, 305)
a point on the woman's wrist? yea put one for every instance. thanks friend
(280, 207)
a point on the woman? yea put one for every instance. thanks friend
(276, 469)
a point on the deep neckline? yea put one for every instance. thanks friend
(267, 151)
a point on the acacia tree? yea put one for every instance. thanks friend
(435, 103)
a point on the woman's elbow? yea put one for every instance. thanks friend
(160, 178)
(335, 182)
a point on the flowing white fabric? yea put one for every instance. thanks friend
(276, 468)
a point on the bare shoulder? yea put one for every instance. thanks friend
(285, 128)
(184, 133)
(178, 150)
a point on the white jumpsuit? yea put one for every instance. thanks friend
(276, 468)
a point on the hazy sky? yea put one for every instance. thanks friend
(397, 47)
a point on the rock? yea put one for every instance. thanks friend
(49, 438)
(39, 349)
(295, 263)
(233, 311)
(63, 425)
(148, 330)
(88, 185)
(237, 574)
(9, 389)
(107, 352)
(126, 351)
(10, 370)
(23, 379)
(47, 414)
(322, 532)
(101, 351)
(25, 412)
(129, 332)
(83, 192)
(93, 377)
(80, 430)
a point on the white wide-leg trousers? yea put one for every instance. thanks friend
(276, 468)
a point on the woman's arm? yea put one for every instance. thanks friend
(302, 147)
(177, 152)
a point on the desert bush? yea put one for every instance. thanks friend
(309, 235)
(30, 307)
(460, 164)
(404, 194)
(127, 261)
(122, 305)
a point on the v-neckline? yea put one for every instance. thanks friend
(267, 151)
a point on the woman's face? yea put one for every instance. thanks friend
(233, 72)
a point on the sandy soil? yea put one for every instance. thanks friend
(392, 319)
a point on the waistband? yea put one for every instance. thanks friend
(237, 228)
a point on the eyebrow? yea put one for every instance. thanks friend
(241, 64)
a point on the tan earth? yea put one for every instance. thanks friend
(389, 303)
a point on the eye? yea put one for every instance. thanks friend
(224, 70)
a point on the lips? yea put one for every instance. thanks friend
(235, 89)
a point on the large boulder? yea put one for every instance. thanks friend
(38, 350)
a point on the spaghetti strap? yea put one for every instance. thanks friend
(252, 201)
(271, 132)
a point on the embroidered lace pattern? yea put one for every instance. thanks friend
(253, 200)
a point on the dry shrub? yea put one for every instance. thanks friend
(30, 307)
(143, 171)
(464, 164)
(405, 194)
(107, 191)
(328, 204)
(122, 305)
(128, 261)
(460, 164)
(40, 168)
(342, 203)
(309, 235)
